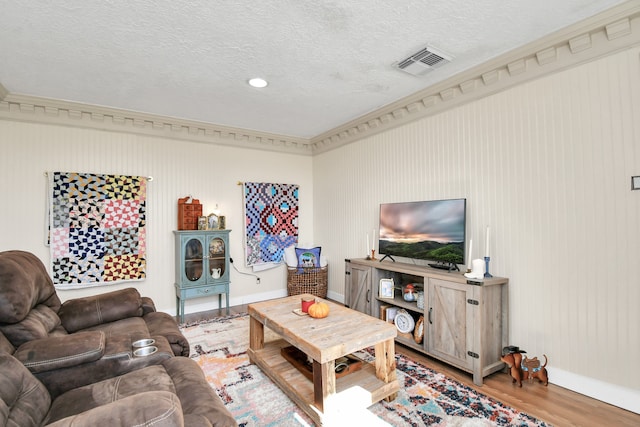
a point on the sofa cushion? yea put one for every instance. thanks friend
(61, 352)
(24, 283)
(82, 313)
(38, 323)
(148, 306)
(201, 406)
(103, 392)
(24, 401)
(152, 408)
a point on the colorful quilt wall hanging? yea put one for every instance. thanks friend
(97, 229)
(271, 221)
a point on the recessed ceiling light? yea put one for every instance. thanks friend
(258, 82)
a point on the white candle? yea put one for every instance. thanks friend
(373, 239)
(486, 251)
(469, 254)
(367, 248)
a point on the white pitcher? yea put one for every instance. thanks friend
(215, 273)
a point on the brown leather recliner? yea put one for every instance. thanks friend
(173, 393)
(84, 340)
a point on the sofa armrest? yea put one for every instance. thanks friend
(160, 323)
(160, 408)
(201, 405)
(82, 313)
(48, 354)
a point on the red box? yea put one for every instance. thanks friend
(188, 213)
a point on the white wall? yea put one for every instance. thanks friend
(208, 172)
(548, 165)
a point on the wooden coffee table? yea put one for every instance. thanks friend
(343, 332)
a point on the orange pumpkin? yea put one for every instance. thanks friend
(319, 310)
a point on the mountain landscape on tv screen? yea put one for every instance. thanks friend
(428, 250)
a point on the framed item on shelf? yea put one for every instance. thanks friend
(202, 222)
(386, 288)
(212, 222)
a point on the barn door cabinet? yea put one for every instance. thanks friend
(202, 266)
(358, 295)
(465, 321)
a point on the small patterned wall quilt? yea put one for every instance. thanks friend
(97, 229)
(271, 221)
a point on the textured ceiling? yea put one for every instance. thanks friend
(328, 62)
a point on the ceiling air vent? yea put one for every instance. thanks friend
(423, 61)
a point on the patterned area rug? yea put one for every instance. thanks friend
(426, 397)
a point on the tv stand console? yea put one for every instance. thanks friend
(464, 321)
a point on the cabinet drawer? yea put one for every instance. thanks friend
(186, 293)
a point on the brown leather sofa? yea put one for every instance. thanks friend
(172, 393)
(74, 364)
(84, 340)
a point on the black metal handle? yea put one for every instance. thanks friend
(429, 316)
(368, 292)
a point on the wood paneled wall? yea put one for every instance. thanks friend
(548, 166)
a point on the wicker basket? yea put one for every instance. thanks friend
(307, 280)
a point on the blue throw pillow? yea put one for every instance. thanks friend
(308, 257)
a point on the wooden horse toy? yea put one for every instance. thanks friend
(533, 369)
(514, 361)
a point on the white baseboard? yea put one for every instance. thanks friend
(258, 297)
(193, 306)
(622, 397)
(335, 297)
(197, 306)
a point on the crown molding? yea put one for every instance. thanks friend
(608, 32)
(65, 113)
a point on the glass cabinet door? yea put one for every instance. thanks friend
(217, 255)
(193, 259)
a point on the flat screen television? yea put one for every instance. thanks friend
(429, 230)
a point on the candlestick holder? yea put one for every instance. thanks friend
(373, 255)
(486, 269)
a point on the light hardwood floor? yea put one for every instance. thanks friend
(553, 404)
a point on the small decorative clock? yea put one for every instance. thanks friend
(404, 322)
